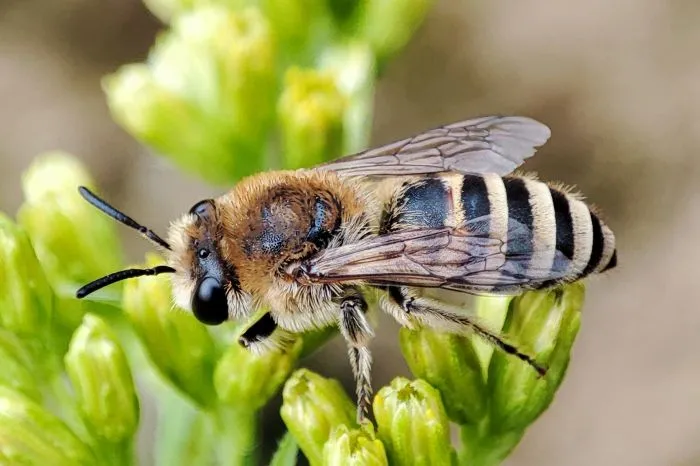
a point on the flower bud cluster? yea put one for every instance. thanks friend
(230, 79)
(494, 396)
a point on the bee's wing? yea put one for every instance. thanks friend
(494, 144)
(438, 258)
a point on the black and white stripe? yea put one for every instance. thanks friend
(609, 256)
(475, 205)
(549, 236)
(544, 235)
(520, 238)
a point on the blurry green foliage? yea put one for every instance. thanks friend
(229, 88)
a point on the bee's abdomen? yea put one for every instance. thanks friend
(549, 236)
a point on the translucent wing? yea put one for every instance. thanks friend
(494, 144)
(437, 258)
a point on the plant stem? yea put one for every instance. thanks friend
(185, 433)
(287, 451)
(237, 434)
(482, 448)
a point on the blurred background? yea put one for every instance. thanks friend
(618, 84)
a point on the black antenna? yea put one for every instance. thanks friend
(119, 276)
(122, 218)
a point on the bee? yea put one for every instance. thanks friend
(440, 210)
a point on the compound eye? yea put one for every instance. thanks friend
(203, 209)
(209, 303)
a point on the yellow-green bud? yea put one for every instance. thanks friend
(352, 65)
(73, 241)
(19, 365)
(101, 378)
(312, 406)
(242, 377)
(296, 25)
(449, 363)
(354, 447)
(206, 97)
(388, 37)
(159, 116)
(547, 323)
(311, 110)
(491, 312)
(30, 435)
(412, 423)
(26, 299)
(179, 346)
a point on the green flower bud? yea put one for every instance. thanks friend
(449, 363)
(491, 312)
(206, 97)
(73, 241)
(354, 447)
(244, 377)
(179, 346)
(412, 423)
(159, 116)
(352, 65)
(101, 378)
(30, 435)
(312, 406)
(26, 298)
(19, 366)
(311, 111)
(388, 37)
(299, 27)
(547, 322)
(315, 339)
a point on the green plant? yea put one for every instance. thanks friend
(231, 88)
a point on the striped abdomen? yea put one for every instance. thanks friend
(550, 234)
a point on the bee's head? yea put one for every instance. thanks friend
(202, 281)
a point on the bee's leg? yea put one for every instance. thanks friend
(357, 332)
(405, 307)
(264, 334)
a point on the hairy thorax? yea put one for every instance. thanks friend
(273, 220)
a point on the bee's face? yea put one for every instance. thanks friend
(203, 282)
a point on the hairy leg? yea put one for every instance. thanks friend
(357, 332)
(406, 309)
(263, 335)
